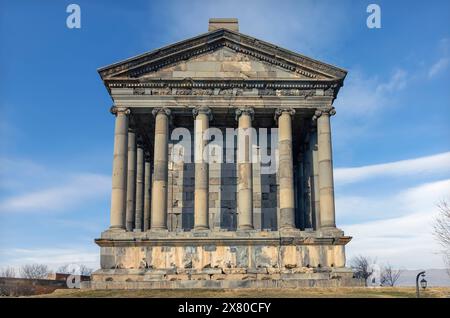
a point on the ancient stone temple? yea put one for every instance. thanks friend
(222, 169)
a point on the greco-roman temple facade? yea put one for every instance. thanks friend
(222, 170)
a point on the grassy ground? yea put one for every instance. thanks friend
(350, 292)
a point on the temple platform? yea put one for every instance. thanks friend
(222, 259)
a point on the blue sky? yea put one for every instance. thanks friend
(391, 132)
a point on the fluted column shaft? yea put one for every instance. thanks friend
(286, 169)
(147, 195)
(326, 187)
(202, 117)
(160, 173)
(131, 181)
(315, 189)
(119, 175)
(245, 171)
(139, 188)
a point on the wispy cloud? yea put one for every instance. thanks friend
(439, 66)
(70, 193)
(17, 174)
(30, 187)
(429, 165)
(404, 242)
(363, 94)
(396, 226)
(443, 62)
(361, 103)
(53, 257)
(421, 198)
(290, 27)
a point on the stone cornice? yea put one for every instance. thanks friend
(224, 241)
(219, 83)
(303, 89)
(154, 60)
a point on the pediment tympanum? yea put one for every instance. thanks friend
(222, 54)
(223, 63)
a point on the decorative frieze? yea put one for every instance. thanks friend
(190, 91)
(328, 86)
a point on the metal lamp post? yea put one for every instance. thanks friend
(423, 283)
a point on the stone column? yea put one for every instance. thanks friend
(131, 181)
(119, 175)
(315, 188)
(160, 170)
(147, 187)
(326, 187)
(139, 187)
(202, 116)
(245, 171)
(286, 168)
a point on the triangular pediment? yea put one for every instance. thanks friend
(223, 63)
(222, 54)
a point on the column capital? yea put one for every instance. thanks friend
(202, 110)
(279, 111)
(246, 111)
(119, 110)
(162, 110)
(327, 111)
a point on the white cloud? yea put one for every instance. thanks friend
(422, 198)
(77, 190)
(362, 94)
(53, 257)
(429, 165)
(439, 66)
(396, 228)
(444, 61)
(395, 83)
(404, 242)
(288, 27)
(18, 174)
(30, 187)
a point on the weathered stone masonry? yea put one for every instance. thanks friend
(222, 224)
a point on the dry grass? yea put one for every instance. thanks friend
(350, 292)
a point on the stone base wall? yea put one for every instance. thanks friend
(221, 259)
(216, 278)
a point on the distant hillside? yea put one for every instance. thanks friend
(434, 277)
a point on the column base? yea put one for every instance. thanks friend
(245, 228)
(330, 230)
(200, 228)
(289, 231)
(158, 229)
(116, 228)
